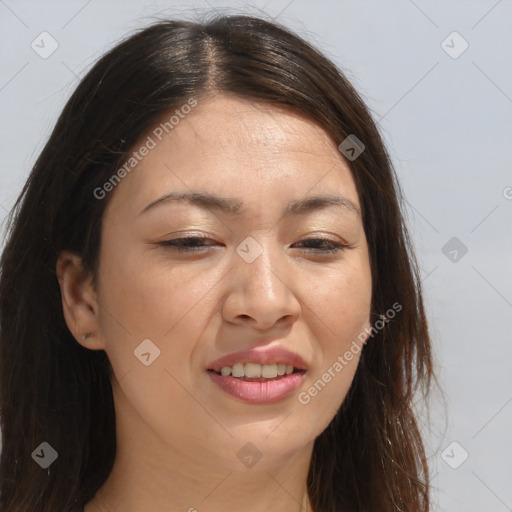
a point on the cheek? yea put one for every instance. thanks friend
(340, 313)
(155, 317)
(166, 304)
(342, 301)
(327, 385)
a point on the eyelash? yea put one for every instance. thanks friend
(186, 244)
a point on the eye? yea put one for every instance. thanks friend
(323, 245)
(189, 244)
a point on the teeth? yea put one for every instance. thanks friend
(269, 371)
(254, 370)
(238, 370)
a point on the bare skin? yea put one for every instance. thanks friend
(178, 433)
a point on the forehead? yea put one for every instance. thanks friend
(234, 147)
(228, 122)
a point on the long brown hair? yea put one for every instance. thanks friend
(371, 457)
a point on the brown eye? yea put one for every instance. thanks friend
(191, 243)
(323, 245)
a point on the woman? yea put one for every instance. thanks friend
(208, 299)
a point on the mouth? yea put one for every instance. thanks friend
(258, 375)
(257, 384)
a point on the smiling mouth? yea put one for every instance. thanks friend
(262, 384)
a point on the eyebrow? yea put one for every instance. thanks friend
(234, 207)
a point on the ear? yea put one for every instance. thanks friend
(79, 302)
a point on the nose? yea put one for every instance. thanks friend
(261, 294)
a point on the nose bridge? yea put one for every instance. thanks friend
(259, 264)
(259, 288)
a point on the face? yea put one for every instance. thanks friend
(245, 261)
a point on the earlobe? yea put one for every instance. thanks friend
(79, 304)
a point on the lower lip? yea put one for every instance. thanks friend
(258, 392)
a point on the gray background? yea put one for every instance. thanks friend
(448, 125)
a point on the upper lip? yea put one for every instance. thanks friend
(269, 355)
